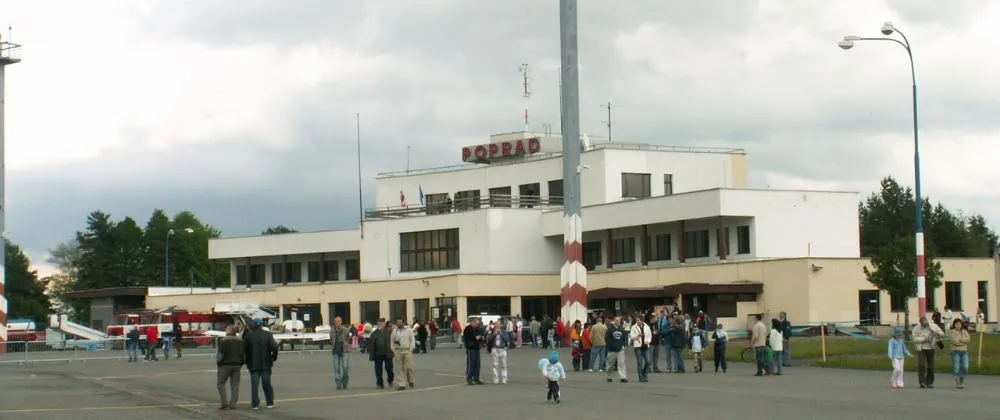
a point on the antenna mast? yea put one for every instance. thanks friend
(526, 83)
(608, 121)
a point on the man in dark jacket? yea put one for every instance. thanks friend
(380, 352)
(178, 337)
(615, 339)
(132, 344)
(678, 341)
(229, 361)
(473, 338)
(786, 333)
(261, 352)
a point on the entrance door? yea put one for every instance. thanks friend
(868, 307)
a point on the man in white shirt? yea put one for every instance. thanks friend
(641, 336)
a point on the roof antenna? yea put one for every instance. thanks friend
(526, 82)
(608, 122)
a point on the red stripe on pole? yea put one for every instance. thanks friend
(574, 293)
(921, 269)
(574, 252)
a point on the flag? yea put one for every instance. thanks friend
(402, 199)
(421, 195)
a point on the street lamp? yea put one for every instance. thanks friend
(846, 44)
(166, 277)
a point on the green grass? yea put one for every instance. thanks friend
(854, 353)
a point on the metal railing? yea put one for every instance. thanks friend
(465, 204)
(10, 52)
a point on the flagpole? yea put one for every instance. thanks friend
(361, 206)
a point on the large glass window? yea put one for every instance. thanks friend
(658, 247)
(352, 269)
(428, 250)
(742, 239)
(953, 295)
(623, 250)
(696, 244)
(397, 310)
(370, 311)
(556, 192)
(635, 185)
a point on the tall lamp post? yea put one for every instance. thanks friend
(848, 43)
(166, 253)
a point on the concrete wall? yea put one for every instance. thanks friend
(285, 244)
(692, 171)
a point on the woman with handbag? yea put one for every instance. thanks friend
(927, 337)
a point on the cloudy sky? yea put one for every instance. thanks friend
(243, 111)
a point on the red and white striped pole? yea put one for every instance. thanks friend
(573, 276)
(9, 54)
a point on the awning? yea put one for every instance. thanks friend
(675, 289)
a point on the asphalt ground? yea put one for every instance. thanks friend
(185, 389)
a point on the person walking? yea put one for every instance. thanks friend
(403, 343)
(657, 343)
(261, 352)
(340, 341)
(472, 337)
(420, 331)
(776, 341)
(229, 360)
(719, 350)
(586, 344)
(152, 340)
(678, 342)
(615, 339)
(926, 336)
(178, 337)
(132, 344)
(786, 334)
(598, 334)
(432, 330)
(758, 337)
(533, 329)
(380, 353)
(897, 354)
(667, 336)
(959, 352)
(456, 332)
(640, 337)
(497, 344)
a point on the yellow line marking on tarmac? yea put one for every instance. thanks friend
(153, 407)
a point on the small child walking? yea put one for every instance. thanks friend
(553, 372)
(697, 343)
(898, 354)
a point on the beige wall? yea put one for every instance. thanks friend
(826, 293)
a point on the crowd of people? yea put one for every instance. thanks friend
(600, 344)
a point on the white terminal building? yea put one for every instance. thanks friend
(662, 225)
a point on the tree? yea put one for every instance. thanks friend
(894, 270)
(66, 258)
(24, 291)
(278, 230)
(154, 239)
(128, 246)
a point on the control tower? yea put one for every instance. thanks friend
(9, 54)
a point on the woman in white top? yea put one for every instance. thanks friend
(776, 346)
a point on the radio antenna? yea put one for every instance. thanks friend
(526, 83)
(608, 122)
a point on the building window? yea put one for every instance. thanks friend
(352, 269)
(982, 289)
(742, 239)
(437, 203)
(591, 255)
(312, 271)
(428, 250)
(241, 275)
(635, 185)
(422, 309)
(696, 244)
(725, 240)
(332, 270)
(556, 192)
(370, 311)
(668, 184)
(623, 250)
(897, 303)
(293, 272)
(658, 247)
(467, 200)
(725, 306)
(500, 197)
(257, 274)
(953, 295)
(529, 195)
(397, 310)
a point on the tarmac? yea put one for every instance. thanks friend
(185, 389)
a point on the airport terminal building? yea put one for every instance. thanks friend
(662, 225)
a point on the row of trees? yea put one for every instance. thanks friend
(24, 291)
(887, 220)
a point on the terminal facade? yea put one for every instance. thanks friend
(662, 225)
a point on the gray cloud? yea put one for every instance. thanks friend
(738, 74)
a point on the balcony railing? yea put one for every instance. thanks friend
(10, 53)
(465, 204)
